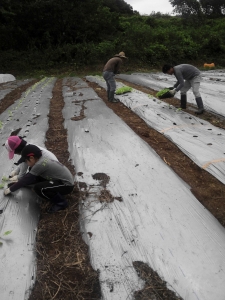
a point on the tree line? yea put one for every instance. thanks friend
(40, 34)
(200, 8)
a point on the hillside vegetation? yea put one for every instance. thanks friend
(45, 35)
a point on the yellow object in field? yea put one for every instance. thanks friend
(212, 65)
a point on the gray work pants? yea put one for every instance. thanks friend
(194, 84)
(110, 81)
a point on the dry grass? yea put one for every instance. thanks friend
(155, 288)
(63, 267)
(64, 271)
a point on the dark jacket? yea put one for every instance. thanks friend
(113, 65)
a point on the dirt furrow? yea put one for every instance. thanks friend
(63, 266)
(206, 188)
(14, 95)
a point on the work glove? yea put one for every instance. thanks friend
(14, 178)
(13, 173)
(172, 92)
(169, 88)
(7, 192)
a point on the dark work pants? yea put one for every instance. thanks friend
(110, 81)
(48, 189)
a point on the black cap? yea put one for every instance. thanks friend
(22, 159)
(31, 150)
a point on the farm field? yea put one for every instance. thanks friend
(147, 216)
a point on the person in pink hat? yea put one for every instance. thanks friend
(14, 145)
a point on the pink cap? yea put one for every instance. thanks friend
(11, 144)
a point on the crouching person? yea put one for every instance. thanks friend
(14, 145)
(50, 179)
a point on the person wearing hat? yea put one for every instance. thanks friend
(56, 179)
(187, 77)
(14, 145)
(110, 69)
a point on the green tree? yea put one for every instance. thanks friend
(119, 6)
(212, 8)
(186, 7)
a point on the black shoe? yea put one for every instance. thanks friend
(200, 106)
(111, 97)
(200, 111)
(183, 101)
(57, 207)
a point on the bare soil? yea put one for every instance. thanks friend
(64, 271)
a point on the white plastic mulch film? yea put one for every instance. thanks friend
(152, 215)
(198, 139)
(6, 78)
(212, 88)
(7, 87)
(19, 212)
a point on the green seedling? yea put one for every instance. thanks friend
(150, 96)
(4, 178)
(162, 92)
(2, 185)
(6, 233)
(179, 109)
(1, 124)
(124, 89)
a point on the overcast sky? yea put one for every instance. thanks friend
(147, 6)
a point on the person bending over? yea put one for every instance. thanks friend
(110, 69)
(187, 77)
(56, 180)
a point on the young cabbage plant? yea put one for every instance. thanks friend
(6, 233)
(123, 90)
(162, 92)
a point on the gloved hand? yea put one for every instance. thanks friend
(173, 92)
(169, 88)
(13, 173)
(7, 192)
(14, 178)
